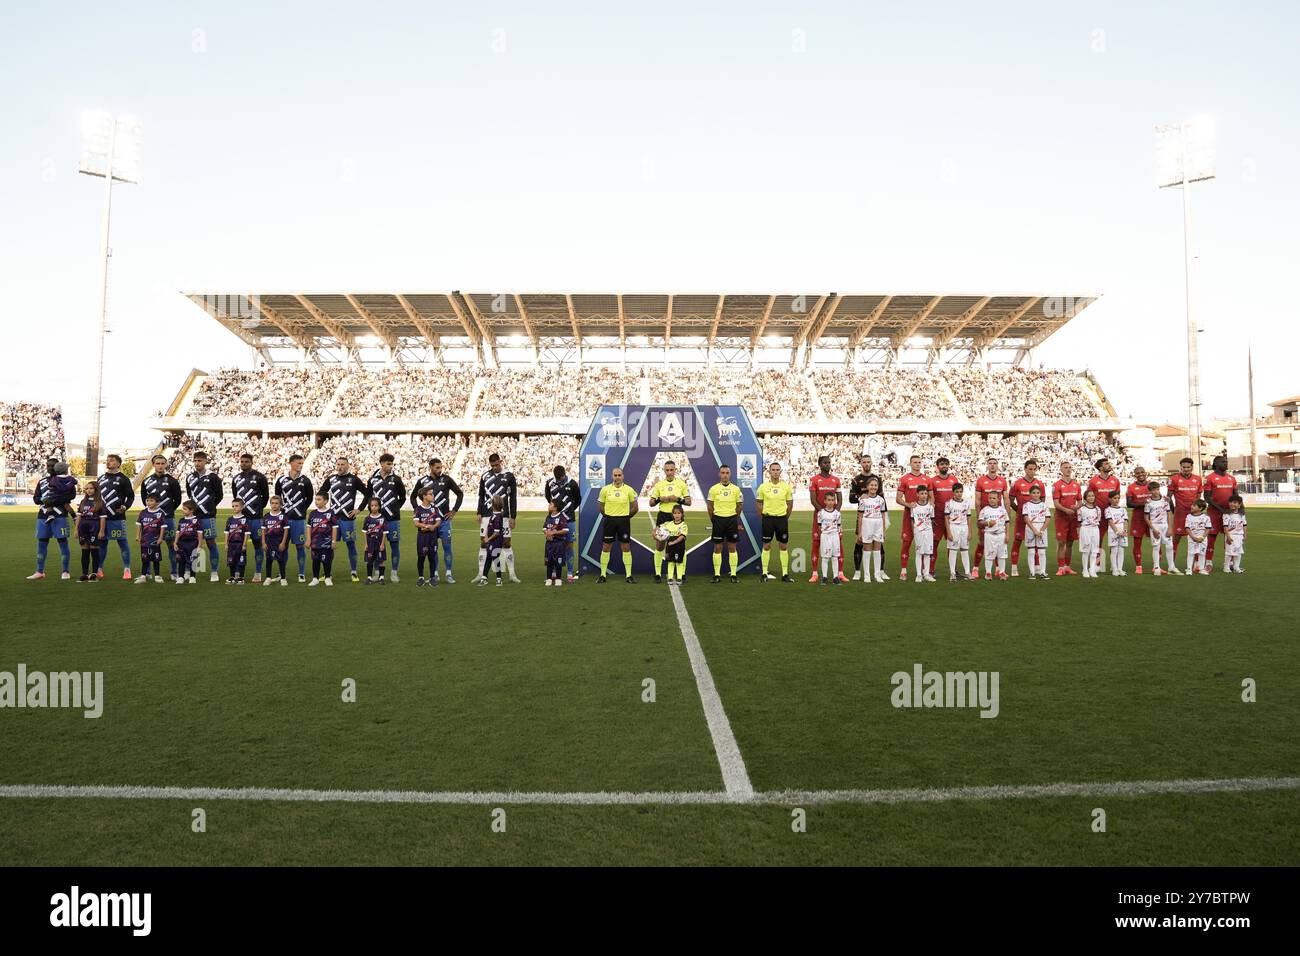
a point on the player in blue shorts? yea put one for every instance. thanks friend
(118, 496)
(295, 492)
(54, 494)
(342, 488)
(205, 490)
(387, 486)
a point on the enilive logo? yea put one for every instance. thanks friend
(612, 431)
(728, 427)
(103, 909)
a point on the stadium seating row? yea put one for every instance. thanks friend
(1011, 394)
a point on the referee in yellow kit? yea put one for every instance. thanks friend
(617, 504)
(668, 491)
(724, 506)
(775, 499)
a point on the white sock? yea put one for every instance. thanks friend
(508, 560)
(965, 562)
(482, 557)
(825, 562)
(952, 563)
(988, 566)
(1002, 565)
(920, 565)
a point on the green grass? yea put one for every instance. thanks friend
(524, 688)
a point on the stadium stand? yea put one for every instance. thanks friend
(503, 395)
(265, 393)
(31, 434)
(1022, 395)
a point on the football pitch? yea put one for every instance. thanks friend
(614, 724)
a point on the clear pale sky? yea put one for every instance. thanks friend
(783, 147)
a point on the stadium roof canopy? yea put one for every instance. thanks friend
(421, 325)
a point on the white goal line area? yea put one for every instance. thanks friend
(770, 798)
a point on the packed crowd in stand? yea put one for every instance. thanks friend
(888, 393)
(1021, 394)
(892, 393)
(411, 453)
(545, 392)
(969, 452)
(224, 448)
(266, 393)
(31, 433)
(531, 457)
(406, 393)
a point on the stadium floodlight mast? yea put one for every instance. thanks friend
(110, 148)
(1185, 155)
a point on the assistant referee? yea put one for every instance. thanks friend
(724, 505)
(775, 499)
(617, 504)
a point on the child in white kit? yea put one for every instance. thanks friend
(873, 520)
(830, 522)
(957, 517)
(922, 516)
(1117, 528)
(1234, 526)
(1198, 533)
(1157, 512)
(1036, 513)
(993, 523)
(1089, 532)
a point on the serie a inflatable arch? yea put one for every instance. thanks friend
(631, 437)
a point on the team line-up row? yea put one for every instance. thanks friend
(936, 510)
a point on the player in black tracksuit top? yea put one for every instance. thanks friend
(118, 496)
(566, 494)
(497, 482)
(341, 489)
(445, 490)
(204, 488)
(168, 490)
(387, 486)
(296, 496)
(249, 486)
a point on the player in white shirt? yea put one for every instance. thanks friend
(1157, 513)
(1117, 530)
(921, 515)
(1090, 519)
(830, 523)
(993, 523)
(1198, 534)
(956, 514)
(1036, 514)
(873, 521)
(1234, 526)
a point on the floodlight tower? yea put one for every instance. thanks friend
(1185, 155)
(110, 147)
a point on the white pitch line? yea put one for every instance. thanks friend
(735, 778)
(1118, 788)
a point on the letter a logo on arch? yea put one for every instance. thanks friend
(670, 430)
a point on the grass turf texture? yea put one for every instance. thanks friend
(525, 688)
